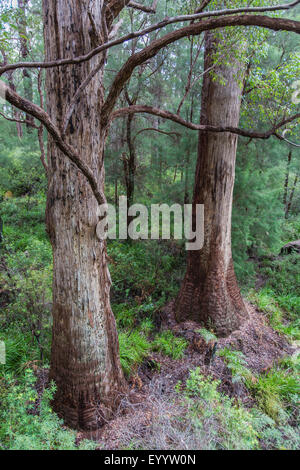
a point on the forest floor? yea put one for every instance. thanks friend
(152, 392)
(187, 389)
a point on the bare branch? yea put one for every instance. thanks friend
(19, 121)
(160, 131)
(138, 6)
(113, 9)
(202, 6)
(191, 83)
(115, 29)
(282, 137)
(104, 23)
(284, 24)
(205, 128)
(40, 89)
(95, 35)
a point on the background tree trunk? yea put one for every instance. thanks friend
(27, 80)
(130, 162)
(286, 181)
(85, 356)
(210, 293)
(289, 203)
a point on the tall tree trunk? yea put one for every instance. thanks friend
(116, 192)
(186, 177)
(286, 181)
(209, 293)
(27, 80)
(289, 204)
(84, 359)
(131, 161)
(188, 157)
(15, 111)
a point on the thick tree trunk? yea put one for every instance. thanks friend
(209, 293)
(84, 360)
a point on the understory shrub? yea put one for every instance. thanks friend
(134, 347)
(170, 345)
(26, 424)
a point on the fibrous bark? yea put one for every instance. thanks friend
(209, 293)
(84, 361)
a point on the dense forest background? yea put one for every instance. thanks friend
(228, 403)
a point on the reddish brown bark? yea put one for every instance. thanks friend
(209, 293)
(85, 357)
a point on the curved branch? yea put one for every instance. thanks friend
(147, 53)
(145, 9)
(282, 137)
(19, 121)
(199, 127)
(160, 131)
(30, 108)
(150, 29)
(112, 10)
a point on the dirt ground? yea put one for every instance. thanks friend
(260, 344)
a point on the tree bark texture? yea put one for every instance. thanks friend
(85, 354)
(210, 294)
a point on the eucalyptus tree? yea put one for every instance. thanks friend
(78, 36)
(210, 293)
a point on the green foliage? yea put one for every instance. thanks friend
(236, 363)
(23, 427)
(125, 315)
(28, 210)
(283, 276)
(230, 425)
(21, 352)
(134, 347)
(207, 335)
(273, 436)
(146, 275)
(277, 307)
(130, 279)
(170, 345)
(132, 315)
(256, 210)
(21, 173)
(275, 391)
